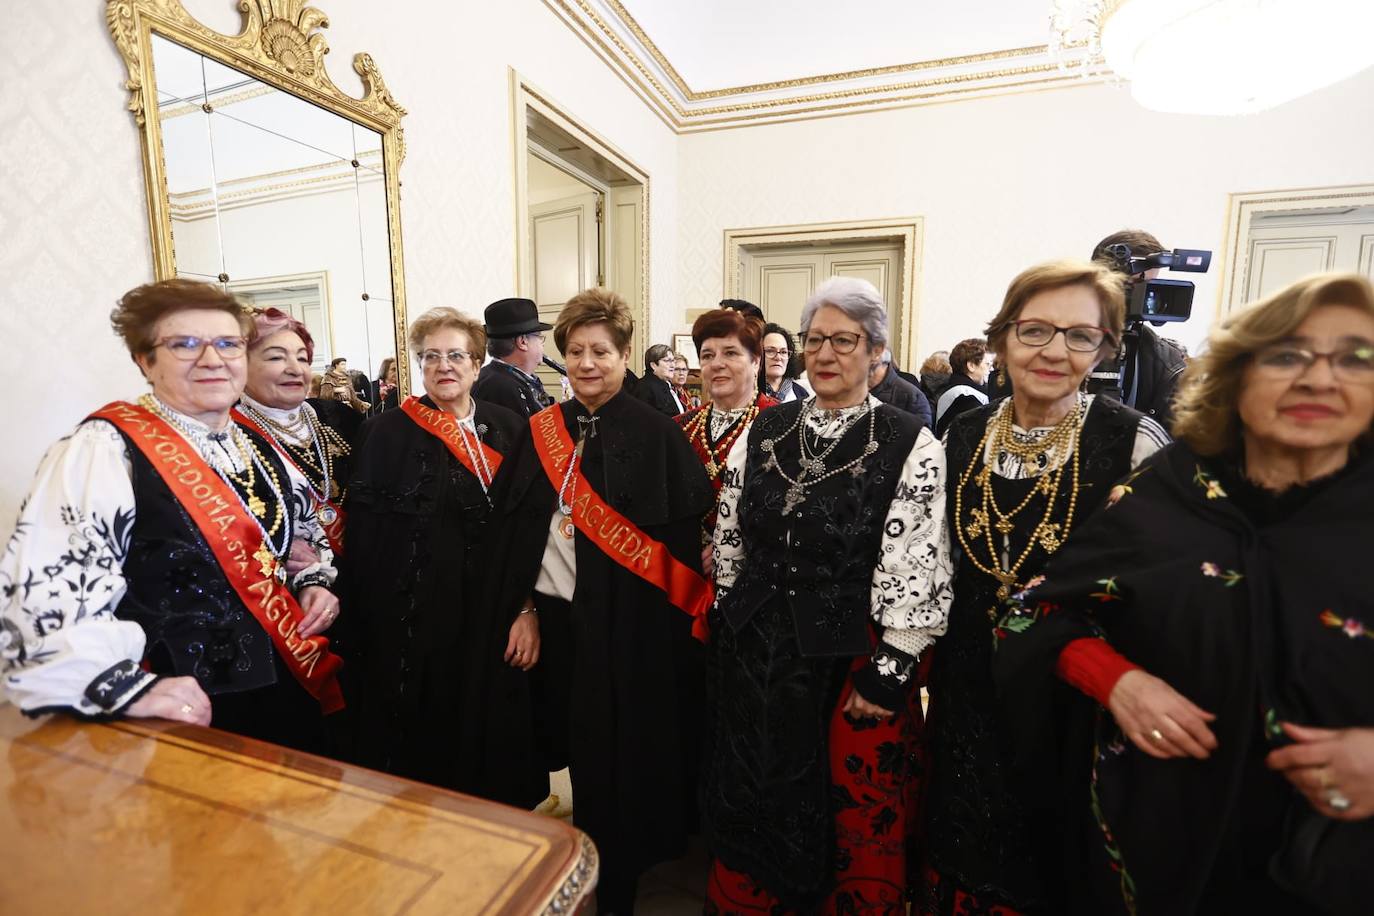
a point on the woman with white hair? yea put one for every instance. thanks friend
(832, 573)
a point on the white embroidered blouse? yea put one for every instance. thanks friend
(913, 574)
(60, 574)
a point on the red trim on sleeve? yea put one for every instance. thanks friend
(1092, 666)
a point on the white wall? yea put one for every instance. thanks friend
(1006, 182)
(73, 230)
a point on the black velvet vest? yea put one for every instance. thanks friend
(820, 556)
(193, 619)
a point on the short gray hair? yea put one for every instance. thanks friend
(858, 299)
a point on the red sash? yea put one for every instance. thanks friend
(444, 427)
(237, 544)
(333, 530)
(612, 533)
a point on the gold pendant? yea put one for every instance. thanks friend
(1003, 527)
(266, 561)
(257, 506)
(1049, 537)
(980, 521)
(566, 527)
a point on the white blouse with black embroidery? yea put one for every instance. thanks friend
(913, 577)
(61, 579)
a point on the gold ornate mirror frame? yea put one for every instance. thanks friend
(281, 45)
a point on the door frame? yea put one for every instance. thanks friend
(1241, 210)
(908, 232)
(526, 97)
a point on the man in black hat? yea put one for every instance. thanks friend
(515, 342)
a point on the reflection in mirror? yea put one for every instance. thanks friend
(279, 198)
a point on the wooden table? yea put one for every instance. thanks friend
(147, 817)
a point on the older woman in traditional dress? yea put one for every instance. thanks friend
(273, 405)
(1218, 614)
(729, 346)
(1023, 473)
(147, 576)
(832, 571)
(425, 670)
(605, 537)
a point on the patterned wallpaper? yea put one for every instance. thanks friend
(73, 234)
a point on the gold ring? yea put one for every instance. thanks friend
(1157, 735)
(187, 708)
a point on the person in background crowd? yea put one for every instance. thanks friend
(273, 406)
(385, 390)
(680, 372)
(744, 306)
(967, 387)
(1215, 612)
(424, 671)
(338, 386)
(316, 380)
(832, 571)
(1151, 375)
(125, 593)
(515, 342)
(777, 378)
(890, 388)
(935, 372)
(1024, 472)
(729, 346)
(605, 525)
(656, 388)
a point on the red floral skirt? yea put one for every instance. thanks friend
(875, 772)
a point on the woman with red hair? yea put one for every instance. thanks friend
(273, 404)
(730, 345)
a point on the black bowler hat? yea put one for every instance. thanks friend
(513, 317)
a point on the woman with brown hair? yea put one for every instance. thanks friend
(147, 575)
(730, 348)
(1023, 473)
(425, 672)
(603, 545)
(1217, 613)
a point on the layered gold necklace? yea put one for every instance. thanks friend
(1055, 452)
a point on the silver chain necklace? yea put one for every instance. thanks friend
(813, 466)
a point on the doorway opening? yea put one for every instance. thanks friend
(582, 216)
(778, 267)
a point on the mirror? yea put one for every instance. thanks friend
(265, 177)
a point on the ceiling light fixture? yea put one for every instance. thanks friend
(1221, 57)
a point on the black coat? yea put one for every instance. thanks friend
(658, 394)
(1159, 366)
(1254, 607)
(424, 676)
(634, 692)
(962, 402)
(897, 391)
(502, 383)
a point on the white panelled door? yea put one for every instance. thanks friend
(779, 280)
(566, 241)
(1285, 247)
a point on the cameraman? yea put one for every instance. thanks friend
(1153, 363)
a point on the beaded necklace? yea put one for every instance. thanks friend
(813, 465)
(244, 489)
(698, 433)
(990, 517)
(327, 445)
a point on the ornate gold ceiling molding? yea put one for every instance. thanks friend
(621, 41)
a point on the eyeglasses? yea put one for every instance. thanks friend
(534, 335)
(189, 349)
(842, 342)
(771, 352)
(434, 357)
(1348, 364)
(1082, 338)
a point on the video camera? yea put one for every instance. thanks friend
(1147, 299)
(1154, 300)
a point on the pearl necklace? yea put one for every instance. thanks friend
(271, 551)
(314, 437)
